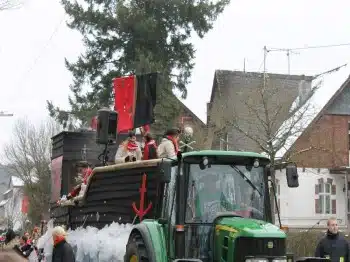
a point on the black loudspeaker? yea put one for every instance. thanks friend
(106, 132)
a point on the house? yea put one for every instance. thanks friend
(236, 99)
(4, 178)
(11, 204)
(320, 150)
(183, 117)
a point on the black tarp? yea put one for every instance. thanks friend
(145, 99)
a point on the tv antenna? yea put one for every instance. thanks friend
(288, 51)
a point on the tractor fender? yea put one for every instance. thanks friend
(154, 239)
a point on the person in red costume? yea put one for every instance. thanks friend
(150, 149)
(169, 146)
(129, 150)
(84, 172)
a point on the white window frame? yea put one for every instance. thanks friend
(326, 196)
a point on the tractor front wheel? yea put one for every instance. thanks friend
(136, 250)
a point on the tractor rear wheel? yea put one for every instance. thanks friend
(136, 250)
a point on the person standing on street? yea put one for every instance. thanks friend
(333, 246)
(62, 251)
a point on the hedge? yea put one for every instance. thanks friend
(303, 244)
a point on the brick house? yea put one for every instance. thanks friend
(319, 151)
(186, 117)
(231, 93)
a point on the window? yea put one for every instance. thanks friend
(278, 193)
(224, 188)
(325, 197)
(169, 203)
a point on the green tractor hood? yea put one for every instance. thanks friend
(238, 226)
(237, 238)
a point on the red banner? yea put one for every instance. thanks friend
(56, 176)
(25, 204)
(93, 124)
(124, 90)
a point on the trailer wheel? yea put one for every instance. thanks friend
(136, 250)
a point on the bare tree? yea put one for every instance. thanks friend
(28, 157)
(9, 4)
(265, 118)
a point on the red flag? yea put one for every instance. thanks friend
(94, 123)
(124, 90)
(25, 204)
(56, 178)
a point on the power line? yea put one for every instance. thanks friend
(307, 47)
(21, 80)
(292, 50)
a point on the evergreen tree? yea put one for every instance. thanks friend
(134, 37)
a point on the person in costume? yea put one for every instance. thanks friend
(84, 171)
(129, 150)
(169, 146)
(150, 149)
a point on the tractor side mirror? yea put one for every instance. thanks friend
(292, 175)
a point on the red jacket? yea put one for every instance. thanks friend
(87, 173)
(150, 150)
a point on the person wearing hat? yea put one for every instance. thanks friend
(169, 146)
(129, 150)
(150, 149)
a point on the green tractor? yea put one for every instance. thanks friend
(215, 207)
(210, 206)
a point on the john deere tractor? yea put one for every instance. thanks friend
(215, 207)
(199, 206)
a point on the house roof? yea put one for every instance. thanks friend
(3, 202)
(16, 181)
(331, 87)
(7, 191)
(222, 78)
(190, 112)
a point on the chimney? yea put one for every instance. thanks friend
(304, 89)
(208, 112)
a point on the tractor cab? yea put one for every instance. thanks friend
(223, 204)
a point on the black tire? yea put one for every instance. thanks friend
(136, 248)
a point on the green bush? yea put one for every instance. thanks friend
(303, 244)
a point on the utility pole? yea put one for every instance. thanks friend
(264, 73)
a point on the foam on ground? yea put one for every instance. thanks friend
(90, 244)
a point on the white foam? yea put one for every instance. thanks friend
(90, 244)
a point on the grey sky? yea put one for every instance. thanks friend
(32, 66)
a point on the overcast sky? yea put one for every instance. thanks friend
(34, 41)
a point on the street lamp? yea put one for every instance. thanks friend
(186, 144)
(2, 113)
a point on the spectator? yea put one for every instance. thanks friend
(11, 240)
(62, 251)
(24, 244)
(333, 246)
